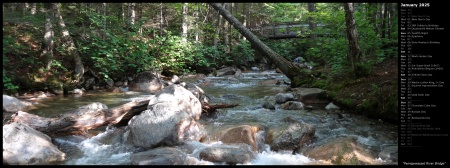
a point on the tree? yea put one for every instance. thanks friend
(67, 41)
(312, 24)
(219, 22)
(294, 73)
(354, 51)
(48, 36)
(184, 25)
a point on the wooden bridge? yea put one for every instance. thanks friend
(283, 30)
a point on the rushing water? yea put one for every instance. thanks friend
(107, 147)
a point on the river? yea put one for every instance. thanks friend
(106, 148)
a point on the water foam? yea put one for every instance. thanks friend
(95, 152)
(280, 158)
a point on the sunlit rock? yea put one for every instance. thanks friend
(342, 151)
(178, 96)
(170, 120)
(241, 134)
(22, 145)
(12, 104)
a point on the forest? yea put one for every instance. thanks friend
(58, 46)
(348, 51)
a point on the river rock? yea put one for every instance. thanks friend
(226, 71)
(177, 95)
(114, 89)
(12, 104)
(110, 82)
(22, 145)
(342, 151)
(241, 134)
(118, 83)
(230, 154)
(290, 136)
(175, 79)
(389, 153)
(197, 92)
(278, 70)
(163, 125)
(160, 156)
(331, 106)
(310, 95)
(255, 68)
(170, 119)
(89, 83)
(268, 105)
(95, 105)
(283, 97)
(146, 82)
(238, 73)
(292, 105)
(78, 91)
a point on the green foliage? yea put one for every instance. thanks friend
(242, 52)
(7, 82)
(285, 48)
(210, 56)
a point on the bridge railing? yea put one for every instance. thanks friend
(282, 30)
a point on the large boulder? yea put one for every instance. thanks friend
(342, 151)
(160, 156)
(290, 136)
(310, 95)
(170, 120)
(241, 134)
(230, 154)
(177, 95)
(22, 145)
(146, 82)
(12, 104)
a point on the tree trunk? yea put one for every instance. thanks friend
(383, 23)
(197, 19)
(104, 16)
(295, 74)
(48, 36)
(66, 39)
(80, 120)
(354, 52)
(372, 12)
(133, 13)
(312, 24)
(184, 26)
(161, 21)
(219, 22)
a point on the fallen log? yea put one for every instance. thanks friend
(79, 121)
(207, 108)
